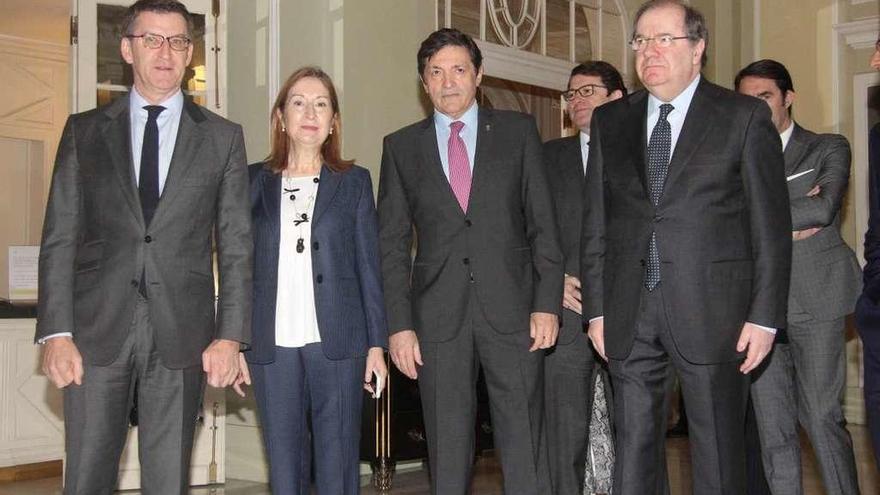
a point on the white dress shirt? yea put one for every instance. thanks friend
(585, 149)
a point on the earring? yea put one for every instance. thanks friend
(331, 130)
(283, 129)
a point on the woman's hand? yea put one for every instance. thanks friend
(375, 363)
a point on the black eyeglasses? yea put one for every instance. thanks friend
(584, 91)
(155, 41)
(639, 43)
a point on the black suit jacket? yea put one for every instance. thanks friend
(345, 263)
(872, 236)
(565, 171)
(95, 245)
(723, 226)
(506, 247)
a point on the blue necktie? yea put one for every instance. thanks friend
(148, 181)
(659, 150)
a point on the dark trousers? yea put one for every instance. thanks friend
(303, 390)
(715, 397)
(868, 324)
(96, 416)
(514, 379)
(569, 377)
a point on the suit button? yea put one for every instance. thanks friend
(319, 278)
(466, 261)
(467, 221)
(315, 245)
(642, 262)
(148, 239)
(134, 283)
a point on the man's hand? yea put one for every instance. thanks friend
(758, 341)
(62, 362)
(596, 332)
(375, 364)
(404, 349)
(244, 375)
(220, 362)
(543, 328)
(571, 297)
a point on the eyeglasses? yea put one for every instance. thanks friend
(154, 41)
(584, 91)
(877, 46)
(639, 43)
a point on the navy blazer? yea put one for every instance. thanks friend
(345, 263)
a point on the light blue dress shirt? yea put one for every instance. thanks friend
(681, 103)
(168, 122)
(468, 134)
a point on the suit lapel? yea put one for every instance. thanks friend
(117, 135)
(480, 168)
(697, 124)
(637, 125)
(795, 150)
(327, 187)
(433, 168)
(271, 192)
(573, 163)
(184, 158)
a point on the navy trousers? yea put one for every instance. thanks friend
(310, 407)
(868, 324)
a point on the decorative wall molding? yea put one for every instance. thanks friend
(860, 34)
(524, 67)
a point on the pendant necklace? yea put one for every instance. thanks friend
(300, 218)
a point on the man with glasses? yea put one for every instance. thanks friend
(570, 369)
(868, 306)
(141, 190)
(686, 253)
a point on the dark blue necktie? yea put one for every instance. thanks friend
(659, 150)
(148, 181)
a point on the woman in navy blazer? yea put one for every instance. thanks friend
(318, 324)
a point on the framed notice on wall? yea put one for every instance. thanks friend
(23, 262)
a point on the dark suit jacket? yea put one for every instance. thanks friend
(565, 172)
(722, 225)
(872, 236)
(345, 263)
(95, 245)
(824, 270)
(506, 247)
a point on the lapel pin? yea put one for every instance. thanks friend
(488, 127)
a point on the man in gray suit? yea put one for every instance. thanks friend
(570, 368)
(141, 189)
(803, 378)
(486, 283)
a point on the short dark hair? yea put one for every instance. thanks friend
(767, 69)
(694, 22)
(611, 78)
(448, 37)
(159, 7)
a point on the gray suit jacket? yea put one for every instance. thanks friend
(825, 275)
(565, 171)
(95, 245)
(506, 247)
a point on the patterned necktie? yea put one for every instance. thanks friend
(659, 150)
(459, 166)
(148, 181)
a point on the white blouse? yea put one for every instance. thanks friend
(296, 321)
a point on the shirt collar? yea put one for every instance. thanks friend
(786, 135)
(585, 139)
(173, 104)
(469, 118)
(681, 103)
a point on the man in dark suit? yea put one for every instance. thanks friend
(486, 283)
(570, 369)
(804, 376)
(868, 306)
(141, 189)
(686, 252)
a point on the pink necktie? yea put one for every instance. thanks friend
(459, 166)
